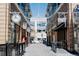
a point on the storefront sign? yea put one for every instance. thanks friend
(61, 20)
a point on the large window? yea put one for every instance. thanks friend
(41, 24)
(22, 6)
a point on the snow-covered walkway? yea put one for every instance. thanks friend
(43, 50)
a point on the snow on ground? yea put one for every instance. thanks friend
(43, 50)
(62, 52)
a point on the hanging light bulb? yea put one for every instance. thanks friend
(16, 17)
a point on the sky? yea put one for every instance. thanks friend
(38, 10)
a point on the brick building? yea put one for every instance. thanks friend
(11, 33)
(61, 25)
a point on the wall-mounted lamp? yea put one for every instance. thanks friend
(16, 17)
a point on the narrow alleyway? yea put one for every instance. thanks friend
(43, 50)
(54, 24)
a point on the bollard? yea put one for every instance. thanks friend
(6, 50)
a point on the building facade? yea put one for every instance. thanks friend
(14, 36)
(38, 26)
(61, 25)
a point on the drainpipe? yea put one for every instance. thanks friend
(70, 45)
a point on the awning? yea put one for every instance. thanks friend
(60, 27)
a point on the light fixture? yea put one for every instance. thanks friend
(16, 17)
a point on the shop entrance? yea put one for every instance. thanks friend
(61, 36)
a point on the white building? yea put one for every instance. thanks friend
(38, 26)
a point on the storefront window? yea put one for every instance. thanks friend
(76, 28)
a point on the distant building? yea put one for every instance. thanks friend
(38, 26)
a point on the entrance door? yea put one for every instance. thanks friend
(61, 38)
